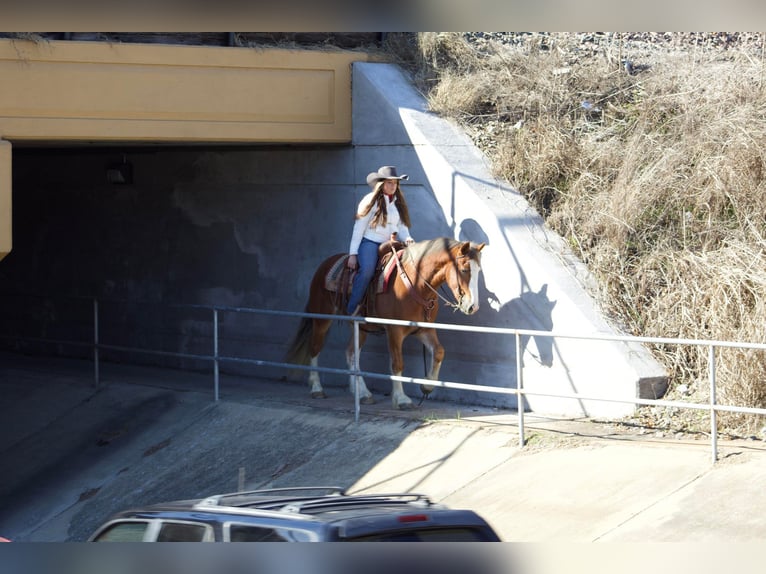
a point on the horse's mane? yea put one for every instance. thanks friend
(423, 248)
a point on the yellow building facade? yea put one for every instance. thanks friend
(59, 93)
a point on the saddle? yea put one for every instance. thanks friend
(339, 277)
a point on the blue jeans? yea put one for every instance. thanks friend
(367, 258)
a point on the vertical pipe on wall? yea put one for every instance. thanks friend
(96, 375)
(215, 354)
(6, 161)
(519, 385)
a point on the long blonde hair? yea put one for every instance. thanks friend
(379, 200)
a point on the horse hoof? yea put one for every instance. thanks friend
(426, 389)
(406, 407)
(367, 401)
(318, 395)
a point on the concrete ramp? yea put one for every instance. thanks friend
(531, 280)
(74, 454)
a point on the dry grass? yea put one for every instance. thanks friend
(659, 187)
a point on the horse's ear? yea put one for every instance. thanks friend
(466, 246)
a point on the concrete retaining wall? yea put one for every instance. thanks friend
(531, 281)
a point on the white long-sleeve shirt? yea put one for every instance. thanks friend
(378, 234)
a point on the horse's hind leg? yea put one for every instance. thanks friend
(318, 334)
(365, 396)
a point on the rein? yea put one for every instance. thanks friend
(427, 304)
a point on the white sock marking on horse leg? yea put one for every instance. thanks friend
(398, 396)
(314, 382)
(364, 392)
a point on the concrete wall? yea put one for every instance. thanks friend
(227, 227)
(248, 226)
(233, 227)
(6, 221)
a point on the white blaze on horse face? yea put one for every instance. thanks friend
(470, 304)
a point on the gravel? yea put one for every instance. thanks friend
(631, 41)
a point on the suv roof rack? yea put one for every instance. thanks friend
(352, 500)
(258, 495)
(309, 499)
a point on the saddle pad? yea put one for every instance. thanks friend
(333, 276)
(384, 274)
(381, 278)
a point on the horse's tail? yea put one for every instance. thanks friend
(298, 353)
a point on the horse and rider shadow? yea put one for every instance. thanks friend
(530, 311)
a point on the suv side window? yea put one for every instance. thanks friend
(182, 532)
(156, 531)
(249, 533)
(245, 533)
(124, 532)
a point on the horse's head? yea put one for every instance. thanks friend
(463, 275)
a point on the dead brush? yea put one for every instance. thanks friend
(656, 179)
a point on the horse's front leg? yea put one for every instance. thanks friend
(399, 398)
(365, 396)
(436, 355)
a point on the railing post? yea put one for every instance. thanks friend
(713, 412)
(356, 369)
(96, 376)
(519, 385)
(215, 353)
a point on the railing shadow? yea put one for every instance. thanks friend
(540, 337)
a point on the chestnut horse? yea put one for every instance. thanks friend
(411, 295)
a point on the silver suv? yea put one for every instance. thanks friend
(301, 514)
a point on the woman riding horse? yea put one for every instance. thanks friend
(381, 214)
(411, 295)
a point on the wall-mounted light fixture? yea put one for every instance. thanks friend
(120, 173)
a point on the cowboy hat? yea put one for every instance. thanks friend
(385, 172)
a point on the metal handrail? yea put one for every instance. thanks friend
(519, 391)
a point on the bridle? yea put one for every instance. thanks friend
(427, 304)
